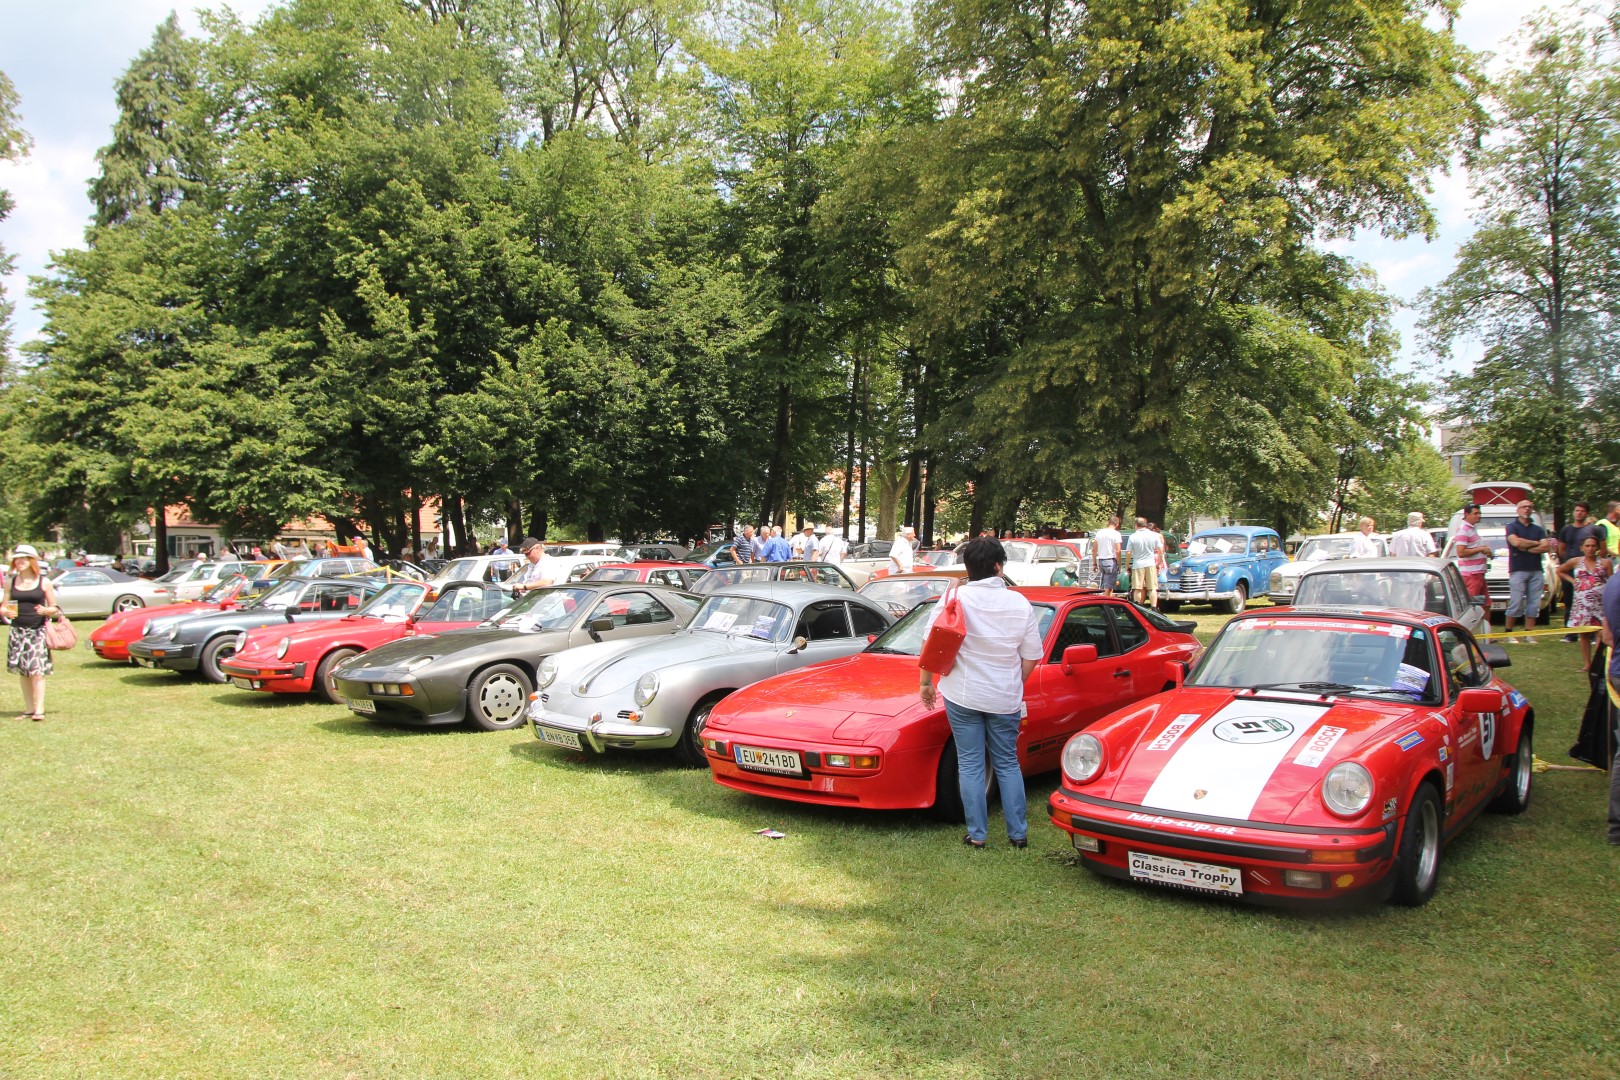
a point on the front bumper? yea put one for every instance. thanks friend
(173, 655)
(1348, 865)
(275, 676)
(413, 705)
(110, 650)
(601, 730)
(1198, 596)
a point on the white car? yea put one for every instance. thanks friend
(88, 590)
(204, 576)
(494, 569)
(1316, 549)
(1411, 584)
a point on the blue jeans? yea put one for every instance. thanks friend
(974, 730)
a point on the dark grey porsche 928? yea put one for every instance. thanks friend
(486, 673)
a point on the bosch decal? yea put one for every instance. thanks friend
(1172, 731)
(1317, 748)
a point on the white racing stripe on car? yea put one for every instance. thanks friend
(1221, 769)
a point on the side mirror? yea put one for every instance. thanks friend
(1175, 672)
(1495, 655)
(799, 643)
(602, 625)
(1078, 656)
(1479, 699)
(1478, 601)
(871, 638)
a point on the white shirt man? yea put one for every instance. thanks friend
(539, 569)
(1362, 545)
(1414, 540)
(830, 547)
(902, 556)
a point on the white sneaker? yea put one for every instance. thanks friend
(1510, 641)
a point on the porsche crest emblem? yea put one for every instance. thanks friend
(788, 713)
(1200, 793)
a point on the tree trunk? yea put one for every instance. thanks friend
(776, 475)
(416, 525)
(458, 523)
(1152, 494)
(160, 541)
(539, 518)
(849, 442)
(594, 532)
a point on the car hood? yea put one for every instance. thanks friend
(1229, 754)
(1198, 563)
(613, 666)
(129, 622)
(267, 637)
(846, 700)
(450, 643)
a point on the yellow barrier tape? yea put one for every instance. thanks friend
(1550, 631)
(1538, 765)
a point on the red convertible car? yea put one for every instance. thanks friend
(299, 659)
(111, 639)
(852, 732)
(677, 575)
(1312, 757)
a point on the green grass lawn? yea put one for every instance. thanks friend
(200, 881)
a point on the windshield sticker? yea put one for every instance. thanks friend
(1386, 629)
(1316, 750)
(1436, 620)
(1412, 678)
(1172, 731)
(720, 620)
(764, 627)
(1409, 740)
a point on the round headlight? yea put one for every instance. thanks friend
(168, 632)
(1083, 758)
(646, 688)
(1347, 789)
(1275, 584)
(146, 627)
(548, 671)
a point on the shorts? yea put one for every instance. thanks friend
(1107, 572)
(1475, 584)
(1524, 593)
(1145, 578)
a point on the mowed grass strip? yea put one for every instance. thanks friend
(201, 881)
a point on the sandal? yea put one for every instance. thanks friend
(37, 716)
(25, 716)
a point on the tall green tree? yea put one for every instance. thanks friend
(14, 143)
(1149, 184)
(1539, 280)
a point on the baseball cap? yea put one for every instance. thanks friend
(1414, 518)
(528, 542)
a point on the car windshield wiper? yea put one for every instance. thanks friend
(1334, 687)
(1412, 690)
(886, 649)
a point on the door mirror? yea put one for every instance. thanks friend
(1478, 601)
(602, 625)
(799, 643)
(1175, 672)
(1495, 655)
(1478, 700)
(1078, 656)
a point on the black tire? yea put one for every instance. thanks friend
(1239, 601)
(498, 697)
(1515, 798)
(127, 602)
(690, 749)
(1417, 863)
(218, 649)
(948, 787)
(324, 687)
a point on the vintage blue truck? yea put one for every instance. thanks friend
(1224, 567)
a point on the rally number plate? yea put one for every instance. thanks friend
(1189, 875)
(245, 684)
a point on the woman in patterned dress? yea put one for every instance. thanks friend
(30, 602)
(1588, 574)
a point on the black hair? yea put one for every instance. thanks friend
(981, 555)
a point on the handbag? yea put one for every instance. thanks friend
(60, 635)
(944, 638)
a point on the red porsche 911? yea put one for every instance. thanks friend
(852, 732)
(1314, 756)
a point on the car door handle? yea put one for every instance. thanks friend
(1122, 673)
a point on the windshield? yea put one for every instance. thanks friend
(1414, 590)
(744, 616)
(900, 595)
(395, 602)
(179, 573)
(289, 569)
(1323, 655)
(1223, 543)
(615, 573)
(467, 603)
(706, 551)
(541, 610)
(1323, 548)
(1019, 552)
(284, 595)
(906, 636)
(939, 558)
(226, 589)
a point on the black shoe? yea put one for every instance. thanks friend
(1024, 843)
(972, 843)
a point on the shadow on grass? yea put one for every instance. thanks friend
(381, 729)
(149, 677)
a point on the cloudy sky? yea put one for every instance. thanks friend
(66, 56)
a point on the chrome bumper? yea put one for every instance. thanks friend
(597, 732)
